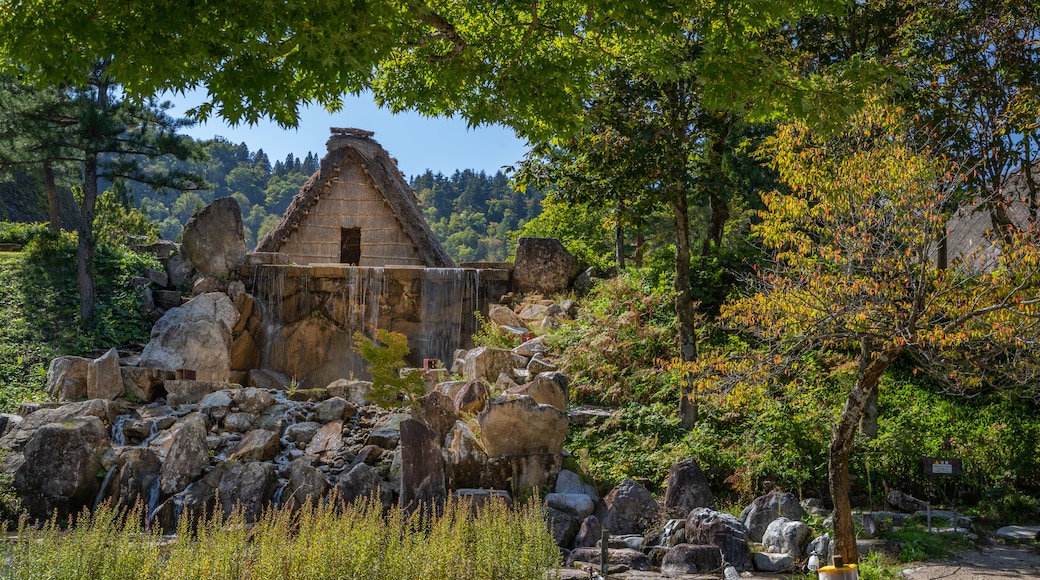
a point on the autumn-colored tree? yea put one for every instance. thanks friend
(853, 242)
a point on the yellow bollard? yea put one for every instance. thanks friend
(838, 571)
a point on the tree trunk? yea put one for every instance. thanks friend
(53, 210)
(85, 247)
(684, 310)
(872, 365)
(619, 236)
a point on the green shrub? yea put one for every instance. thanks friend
(386, 358)
(22, 233)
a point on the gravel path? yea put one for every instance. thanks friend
(992, 562)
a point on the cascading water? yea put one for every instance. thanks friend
(449, 300)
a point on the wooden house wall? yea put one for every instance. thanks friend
(351, 201)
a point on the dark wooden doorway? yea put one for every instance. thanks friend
(350, 246)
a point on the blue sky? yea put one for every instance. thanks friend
(418, 143)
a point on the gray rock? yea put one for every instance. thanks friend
(257, 445)
(302, 433)
(478, 498)
(239, 422)
(707, 526)
(179, 270)
(334, 409)
(194, 336)
(531, 347)
(104, 380)
(485, 364)
(563, 526)
(687, 489)
(628, 509)
(327, 442)
(589, 533)
(537, 365)
(146, 385)
(503, 316)
(362, 482)
(186, 392)
(187, 454)
(422, 466)
(767, 562)
(167, 299)
(437, 412)
(814, 506)
(465, 461)
(67, 378)
(472, 397)
(632, 559)
(386, 437)
(691, 559)
(1018, 534)
(60, 469)
(307, 485)
(543, 265)
(905, 502)
(578, 505)
(784, 536)
(569, 482)
(549, 388)
(766, 508)
(213, 241)
(216, 405)
(19, 435)
(267, 379)
(247, 486)
(253, 400)
(821, 546)
(138, 477)
(673, 533)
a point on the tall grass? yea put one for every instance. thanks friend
(359, 542)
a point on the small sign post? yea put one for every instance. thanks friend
(942, 467)
(950, 466)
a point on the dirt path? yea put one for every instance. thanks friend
(988, 563)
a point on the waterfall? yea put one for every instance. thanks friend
(449, 298)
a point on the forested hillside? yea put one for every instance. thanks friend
(474, 214)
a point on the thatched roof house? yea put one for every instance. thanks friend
(356, 209)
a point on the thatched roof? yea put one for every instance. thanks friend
(349, 147)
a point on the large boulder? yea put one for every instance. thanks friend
(629, 508)
(633, 559)
(691, 559)
(784, 536)
(548, 388)
(67, 378)
(146, 385)
(362, 483)
(472, 397)
(327, 442)
(257, 445)
(186, 453)
(194, 336)
(248, 486)
(138, 477)
(19, 435)
(768, 507)
(104, 380)
(517, 425)
(543, 265)
(437, 411)
(485, 364)
(307, 484)
(707, 526)
(422, 466)
(213, 241)
(60, 471)
(465, 461)
(563, 526)
(687, 489)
